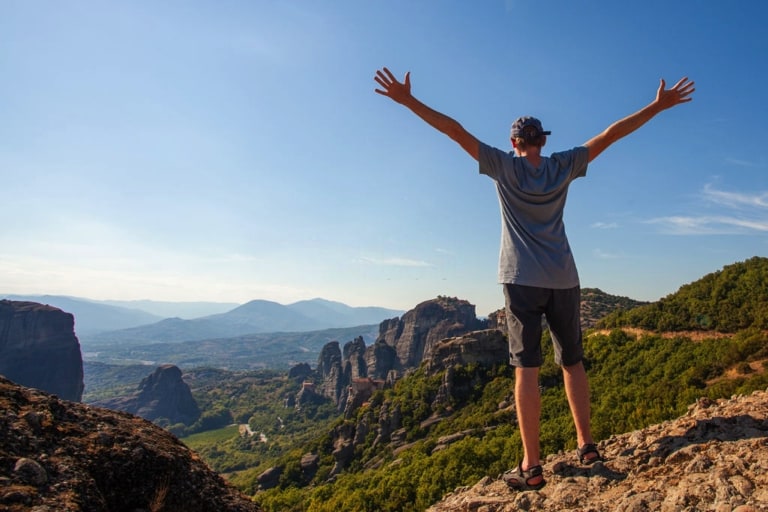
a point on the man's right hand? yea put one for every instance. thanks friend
(398, 91)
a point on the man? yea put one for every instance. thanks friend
(536, 266)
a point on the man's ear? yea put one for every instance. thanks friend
(514, 144)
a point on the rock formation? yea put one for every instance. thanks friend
(355, 366)
(330, 372)
(419, 329)
(486, 348)
(713, 458)
(39, 349)
(300, 372)
(162, 396)
(60, 455)
(403, 344)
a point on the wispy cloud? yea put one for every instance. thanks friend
(396, 262)
(742, 163)
(736, 199)
(708, 225)
(604, 255)
(605, 225)
(743, 213)
(739, 213)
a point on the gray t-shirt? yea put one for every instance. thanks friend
(534, 246)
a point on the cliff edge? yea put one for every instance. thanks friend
(60, 455)
(715, 458)
(39, 349)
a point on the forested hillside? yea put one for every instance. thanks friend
(726, 301)
(636, 382)
(596, 305)
(458, 425)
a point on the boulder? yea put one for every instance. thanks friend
(161, 395)
(62, 455)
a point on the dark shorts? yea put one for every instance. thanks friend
(525, 306)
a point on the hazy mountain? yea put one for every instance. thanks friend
(165, 309)
(92, 316)
(257, 316)
(149, 321)
(340, 314)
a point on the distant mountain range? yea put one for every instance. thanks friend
(92, 316)
(107, 322)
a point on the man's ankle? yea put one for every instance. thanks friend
(526, 466)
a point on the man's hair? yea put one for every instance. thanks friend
(532, 140)
(527, 131)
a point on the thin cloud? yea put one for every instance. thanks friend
(742, 163)
(708, 225)
(735, 199)
(605, 225)
(741, 214)
(603, 255)
(397, 262)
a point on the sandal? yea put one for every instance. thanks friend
(588, 449)
(520, 480)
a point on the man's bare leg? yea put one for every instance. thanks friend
(528, 402)
(577, 390)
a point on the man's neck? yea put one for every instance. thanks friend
(532, 154)
(533, 157)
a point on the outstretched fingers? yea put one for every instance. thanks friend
(685, 88)
(390, 86)
(678, 93)
(384, 78)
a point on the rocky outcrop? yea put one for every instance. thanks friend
(300, 372)
(161, 397)
(270, 477)
(343, 446)
(331, 373)
(419, 329)
(485, 348)
(713, 458)
(425, 335)
(39, 349)
(355, 366)
(308, 395)
(380, 358)
(403, 344)
(361, 390)
(60, 455)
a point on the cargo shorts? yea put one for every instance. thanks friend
(524, 307)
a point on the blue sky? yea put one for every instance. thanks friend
(235, 150)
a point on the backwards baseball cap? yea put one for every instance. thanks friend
(527, 127)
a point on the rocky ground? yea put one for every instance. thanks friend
(715, 458)
(57, 455)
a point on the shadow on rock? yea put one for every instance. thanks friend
(717, 428)
(597, 469)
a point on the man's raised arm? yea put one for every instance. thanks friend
(401, 93)
(665, 98)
